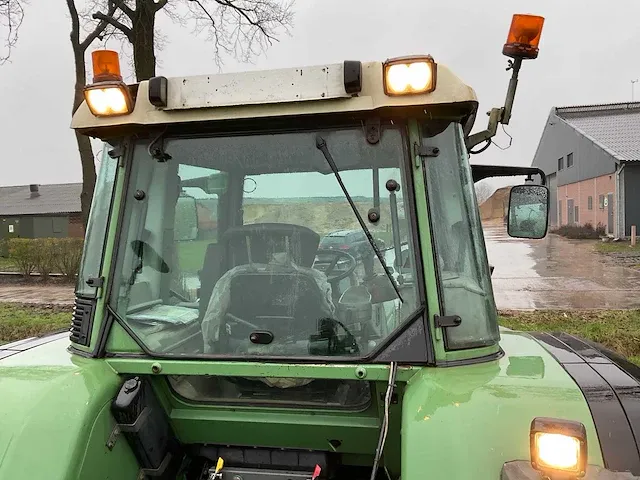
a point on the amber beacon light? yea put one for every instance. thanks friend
(524, 36)
(108, 95)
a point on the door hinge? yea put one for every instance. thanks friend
(113, 438)
(116, 151)
(372, 127)
(95, 282)
(426, 151)
(447, 321)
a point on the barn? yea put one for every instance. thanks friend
(41, 211)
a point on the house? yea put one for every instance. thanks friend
(591, 156)
(38, 211)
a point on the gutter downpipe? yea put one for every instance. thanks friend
(619, 226)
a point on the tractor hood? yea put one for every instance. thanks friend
(458, 409)
(49, 407)
(57, 404)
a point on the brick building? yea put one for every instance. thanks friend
(591, 155)
(40, 211)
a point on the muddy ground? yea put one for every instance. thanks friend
(556, 273)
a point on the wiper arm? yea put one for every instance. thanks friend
(321, 145)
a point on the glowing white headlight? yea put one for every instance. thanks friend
(409, 75)
(558, 451)
(558, 445)
(108, 100)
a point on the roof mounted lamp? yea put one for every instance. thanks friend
(108, 95)
(522, 44)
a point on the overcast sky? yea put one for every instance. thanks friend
(588, 54)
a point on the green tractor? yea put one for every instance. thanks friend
(213, 338)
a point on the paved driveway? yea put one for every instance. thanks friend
(37, 294)
(557, 273)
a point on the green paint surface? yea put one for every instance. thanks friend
(448, 422)
(54, 417)
(459, 421)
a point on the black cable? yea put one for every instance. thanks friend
(475, 152)
(510, 140)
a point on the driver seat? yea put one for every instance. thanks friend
(269, 283)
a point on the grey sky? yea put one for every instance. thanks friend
(589, 54)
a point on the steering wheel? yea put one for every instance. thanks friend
(337, 254)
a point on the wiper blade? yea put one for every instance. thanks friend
(321, 145)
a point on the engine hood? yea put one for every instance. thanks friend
(483, 412)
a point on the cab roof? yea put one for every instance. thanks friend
(271, 93)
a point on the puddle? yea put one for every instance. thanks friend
(556, 273)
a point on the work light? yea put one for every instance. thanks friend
(409, 75)
(558, 447)
(524, 36)
(108, 95)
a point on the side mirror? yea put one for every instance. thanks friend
(528, 211)
(186, 220)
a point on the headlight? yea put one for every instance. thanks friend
(108, 95)
(558, 446)
(108, 99)
(409, 75)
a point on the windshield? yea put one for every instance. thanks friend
(223, 248)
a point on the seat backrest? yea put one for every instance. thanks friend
(278, 302)
(256, 243)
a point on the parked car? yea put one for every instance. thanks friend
(354, 242)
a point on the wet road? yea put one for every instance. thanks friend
(556, 273)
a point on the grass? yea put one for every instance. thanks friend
(617, 247)
(191, 254)
(619, 330)
(22, 321)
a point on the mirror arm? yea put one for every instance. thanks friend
(480, 172)
(494, 118)
(498, 115)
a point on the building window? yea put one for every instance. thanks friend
(560, 163)
(590, 203)
(601, 202)
(576, 217)
(570, 160)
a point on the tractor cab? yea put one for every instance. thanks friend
(285, 278)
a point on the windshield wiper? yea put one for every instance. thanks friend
(321, 145)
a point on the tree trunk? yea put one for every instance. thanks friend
(84, 144)
(143, 23)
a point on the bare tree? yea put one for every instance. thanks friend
(11, 16)
(80, 47)
(241, 29)
(483, 191)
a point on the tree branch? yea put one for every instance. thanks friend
(114, 23)
(206, 12)
(75, 23)
(159, 5)
(99, 28)
(242, 11)
(126, 9)
(11, 16)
